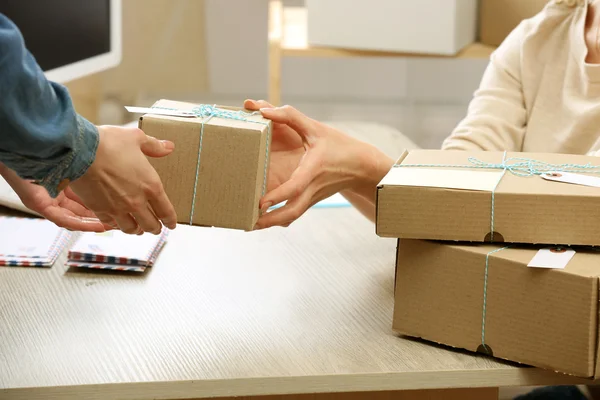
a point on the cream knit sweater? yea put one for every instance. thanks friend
(538, 93)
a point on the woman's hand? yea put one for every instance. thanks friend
(66, 210)
(311, 161)
(121, 187)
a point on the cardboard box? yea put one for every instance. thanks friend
(429, 198)
(539, 317)
(498, 18)
(424, 26)
(233, 165)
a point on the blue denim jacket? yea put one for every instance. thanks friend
(42, 138)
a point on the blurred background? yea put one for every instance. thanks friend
(217, 51)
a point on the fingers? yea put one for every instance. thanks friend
(108, 221)
(287, 214)
(148, 221)
(297, 184)
(291, 117)
(256, 105)
(153, 147)
(164, 210)
(77, 209)
(127, 224)
(67, 220)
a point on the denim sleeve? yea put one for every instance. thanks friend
(42, 138)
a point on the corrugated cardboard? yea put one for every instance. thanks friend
(497, 18)
(538, 317)
(526, 209)
(233, 166)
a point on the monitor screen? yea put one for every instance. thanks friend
(62, 32)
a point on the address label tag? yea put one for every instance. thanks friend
(569, 177)
(552, 258)
(160, 111)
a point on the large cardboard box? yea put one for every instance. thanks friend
(497, 18)
(545, 318)
(425, 26)
(462, 196)
(217, 173)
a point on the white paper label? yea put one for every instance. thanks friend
(443, 178)
(552, 257)
(569, 177)
(159, 111)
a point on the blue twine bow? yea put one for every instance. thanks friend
(518, 166)
(207, 112)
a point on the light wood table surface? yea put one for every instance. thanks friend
(292, 311)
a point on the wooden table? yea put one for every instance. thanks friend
(292, 311)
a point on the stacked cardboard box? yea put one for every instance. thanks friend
(525, 295)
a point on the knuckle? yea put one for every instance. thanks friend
(154, 188)
(133, 204)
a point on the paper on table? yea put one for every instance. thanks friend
(27, 237)
(443, 178)
(335, 201)
(8, 198)
(129, 249)
(552, 257)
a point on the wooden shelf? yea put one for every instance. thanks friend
(288, 37)
(294, 42)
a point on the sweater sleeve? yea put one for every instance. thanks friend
(496, 116)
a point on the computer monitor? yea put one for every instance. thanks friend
(69, 38)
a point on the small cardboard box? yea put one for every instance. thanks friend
(231, 157)
(460, 195)
(539, 317)
(498, 18)
(423, 26)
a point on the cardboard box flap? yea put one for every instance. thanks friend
(481, 170)
(259, 124)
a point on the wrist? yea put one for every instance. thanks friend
(373, 166)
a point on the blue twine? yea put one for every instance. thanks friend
(485, 282)
(207, 112)
(518, 166)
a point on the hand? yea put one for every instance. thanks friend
(121, 187)
(66, 210)
(312, 161)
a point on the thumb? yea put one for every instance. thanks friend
(153, 147)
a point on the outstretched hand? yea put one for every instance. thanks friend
(66, 210)
(121, 187)
(310, 162)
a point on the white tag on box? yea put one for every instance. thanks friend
(552, 258)
(569, 177)
(160, 111)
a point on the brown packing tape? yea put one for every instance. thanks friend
(544, 318)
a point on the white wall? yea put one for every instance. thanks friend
(425, 98)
